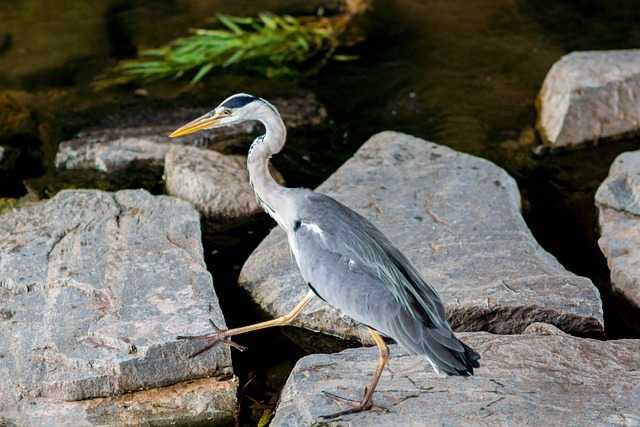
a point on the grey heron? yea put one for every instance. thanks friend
(345, 260)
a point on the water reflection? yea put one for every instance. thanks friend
(464, 74)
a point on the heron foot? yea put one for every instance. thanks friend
(364, 405)
(218, 337)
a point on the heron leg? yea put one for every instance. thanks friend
(224, 336)
(366, 402)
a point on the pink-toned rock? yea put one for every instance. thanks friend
(588, 96)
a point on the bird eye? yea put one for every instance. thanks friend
(226, 112)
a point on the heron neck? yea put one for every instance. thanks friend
(268, 192)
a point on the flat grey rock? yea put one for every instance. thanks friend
(457, 218)
(216, 184)
(588, 96)
(530, 380)
(94, 289)
(618, 201)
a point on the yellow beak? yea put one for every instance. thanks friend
(205, 121)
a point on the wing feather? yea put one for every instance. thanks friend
(347, 233)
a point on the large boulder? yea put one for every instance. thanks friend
(457, 217)
(618, 202)
(94, 289)
(524, 380)
(588, 96)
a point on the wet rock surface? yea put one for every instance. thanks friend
(457, 217)
(523, 380)
(618, 201)
(94, 289)
(588, 96)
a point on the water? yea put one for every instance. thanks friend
(463, 74)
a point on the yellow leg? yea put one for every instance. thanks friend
(221, 336)
(383, 353)
(366, 403)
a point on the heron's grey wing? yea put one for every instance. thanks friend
(352, 265)
(345, 232)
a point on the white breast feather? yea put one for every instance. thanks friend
(293, 243)
(311, 226)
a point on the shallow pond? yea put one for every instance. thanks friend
(463, 74)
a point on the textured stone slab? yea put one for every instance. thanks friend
(207, 401)
(618, 201)
(524, 380)
(94, 288)
(457, 218)
(216, 184)
(587, 96)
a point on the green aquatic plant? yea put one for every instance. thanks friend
(269, 44)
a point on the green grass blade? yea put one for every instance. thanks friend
(203, 71)
(227, 21)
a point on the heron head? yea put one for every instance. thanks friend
(233, 110)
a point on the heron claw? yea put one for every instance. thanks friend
(355, 406)
(218, 337)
